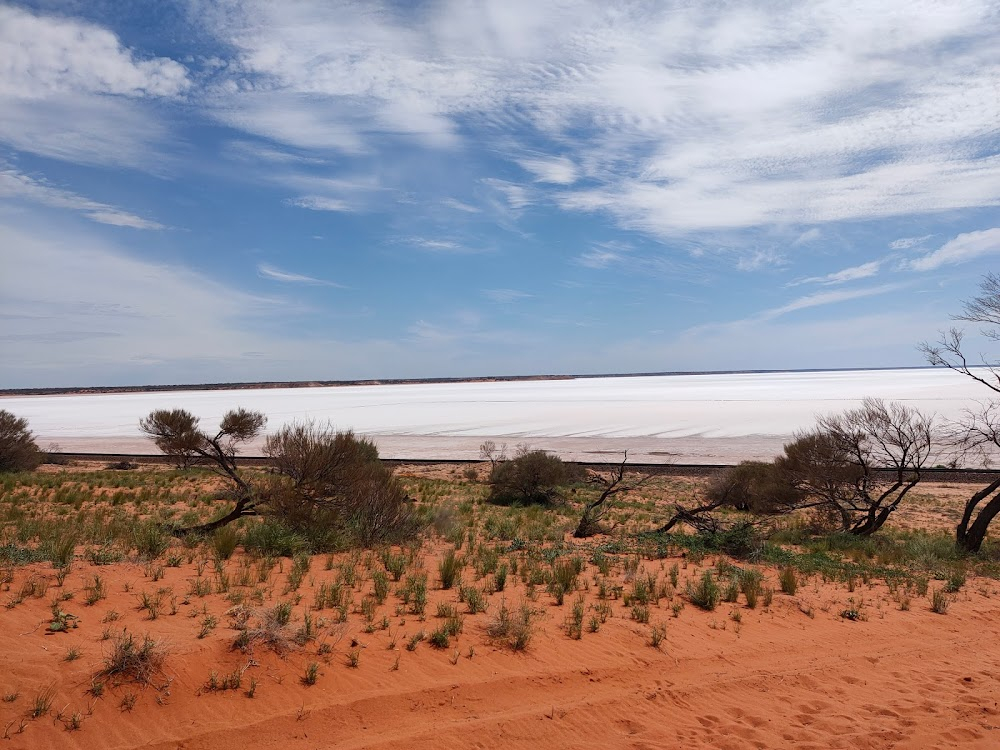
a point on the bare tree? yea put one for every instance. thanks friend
(699, 517)
(977, 433)
(859, 465)
(615, 483)
(490, 452)
(176, 432)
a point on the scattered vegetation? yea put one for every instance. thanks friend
(255, 582)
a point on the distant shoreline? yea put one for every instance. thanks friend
(265, 385)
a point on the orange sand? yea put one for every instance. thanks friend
(780, 678)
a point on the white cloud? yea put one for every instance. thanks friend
(515, 196)
(298, 120)
(44, 55)
(818, 299)
(559, 170)
(438, 245)
(810, 235)
(247, 151)
(963, 248)
(682, 118)
(91, 129)
(267, 271)
(602, 255)
(70, 90)
(345, 192)
(460, 206)
(854, 273)
(118, 218)
(18, 185)
(761, 258)
(107, 307)
(321, 203)
(700, 202)
(905, 243)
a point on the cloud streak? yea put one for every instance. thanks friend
(267, 271)
(854, 273)
(961, 249)
(819, 299)
(14, 184)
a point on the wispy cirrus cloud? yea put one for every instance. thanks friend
(961, 249)
(15, 184)
(557, 170)
(460, 206)
(267, 271)
(441, 245)
(854, 273)
(905, 243)
(321, 203)
(601, 256)
(819, 299)
(683, 118)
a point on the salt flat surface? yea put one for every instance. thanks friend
(717, 418)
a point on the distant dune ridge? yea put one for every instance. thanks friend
(692, 418)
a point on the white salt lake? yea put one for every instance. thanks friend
(713, 418)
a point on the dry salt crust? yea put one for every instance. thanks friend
(695, 419)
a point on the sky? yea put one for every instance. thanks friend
(229, 190)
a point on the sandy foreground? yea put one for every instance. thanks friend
(794, 674)
(781, 678)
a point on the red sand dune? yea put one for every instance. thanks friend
(780, 678)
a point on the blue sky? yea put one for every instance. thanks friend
(226, 190)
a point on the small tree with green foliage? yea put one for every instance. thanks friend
(758, 487)
(531, 477)
(329, 486)
(18, 451)
(176, 432)
(333, 482)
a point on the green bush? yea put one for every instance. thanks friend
(449, 568)
(272, 538)
(331, 488)
(150, 540)
(754, 486)
(705, 593)
(18, 451)
(531, 477)
(789, 581)
(224, 542)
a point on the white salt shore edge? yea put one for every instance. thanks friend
(696, 419)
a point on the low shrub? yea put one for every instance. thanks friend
(705, 593)
(134, 659)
